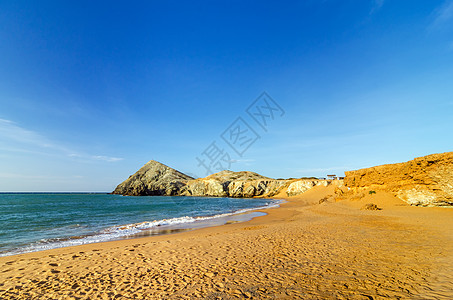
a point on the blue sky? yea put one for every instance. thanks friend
(91, 92)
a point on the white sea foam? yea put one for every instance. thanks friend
(131, 230)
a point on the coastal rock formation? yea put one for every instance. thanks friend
(301, 186)
(153, 179)
(234, 184)
(156, 179)
(206, 187)
(426, 181)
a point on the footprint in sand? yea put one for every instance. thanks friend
(253, 227)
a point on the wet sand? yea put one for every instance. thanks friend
(306, 250)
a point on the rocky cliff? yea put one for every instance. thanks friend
(426, 180)
(234, 184)
(156, 179)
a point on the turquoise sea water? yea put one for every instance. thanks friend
(33, 222)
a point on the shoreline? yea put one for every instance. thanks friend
(148, 228)
(301, 249)
(159, 230)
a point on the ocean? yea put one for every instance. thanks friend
(39, 221)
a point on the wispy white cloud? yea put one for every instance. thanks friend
(106, 158)
(242, 160)
(10, 130)
(376, 5)
(442, 15)
(95, 157)
(29, 141)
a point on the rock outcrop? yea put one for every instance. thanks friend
(153, 179)
(300, 186)
(234, 184)
(426, 181)
(156, 179)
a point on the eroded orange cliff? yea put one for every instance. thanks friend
(426, 180)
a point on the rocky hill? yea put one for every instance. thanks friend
(426, 180)
(156, 179)
(153, 179)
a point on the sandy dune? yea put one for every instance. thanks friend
(307, 250)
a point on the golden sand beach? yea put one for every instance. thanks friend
(301, 250)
